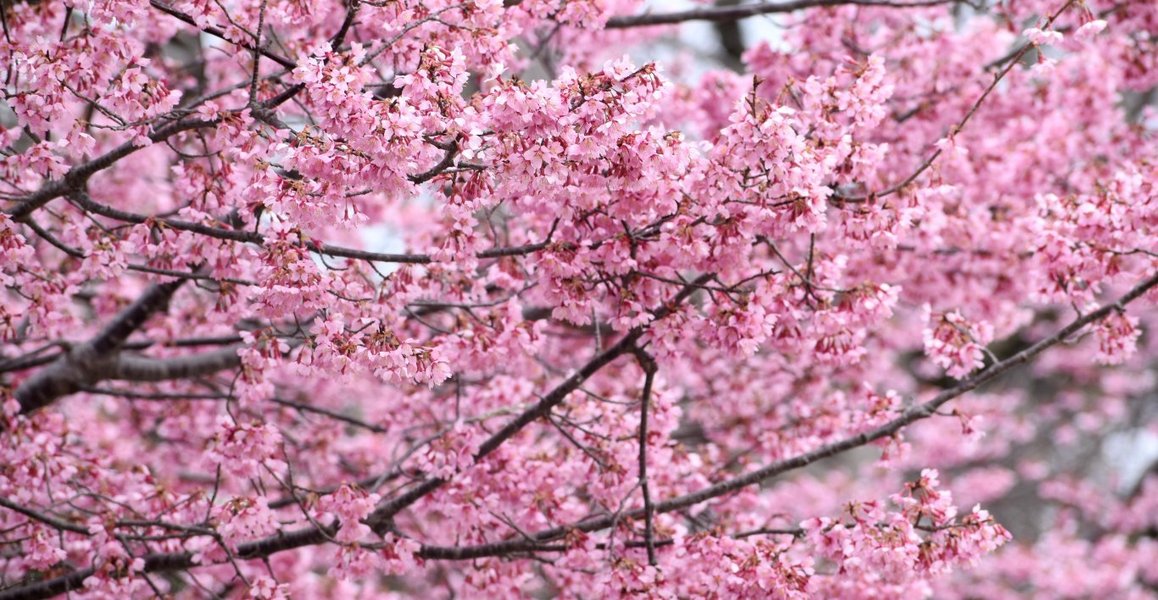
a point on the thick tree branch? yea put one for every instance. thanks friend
(76, 367)
(155, 299)
(39, 357)
(140, 368)
(72, 373)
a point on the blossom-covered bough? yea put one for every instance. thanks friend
(388, 298)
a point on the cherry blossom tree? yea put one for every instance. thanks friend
(524, 298)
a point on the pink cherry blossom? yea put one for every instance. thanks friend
(518, 299)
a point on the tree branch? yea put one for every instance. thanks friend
(85, 202)
(219, 34)
(75, 368)
(649, 369)
(43, 518)
(140, 368)
(76, 177)
(721, 14)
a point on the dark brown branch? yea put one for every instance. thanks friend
(74, 369)
(186, 275)
(220, 397)
(155, 299)
(351, 13)
(71, 374)
(51, 239)
(37, 359)
(28, 361)
(139, 368)
(102, 358)
(43, 518)
(218, 33)
(721, 14)
(155, 563)
(444, 164)
(85, 202)
(76, 177)
(910, 416)
(649, 369)
(509, 548)
(380, 519)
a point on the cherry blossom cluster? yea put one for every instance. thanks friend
(492, 298)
